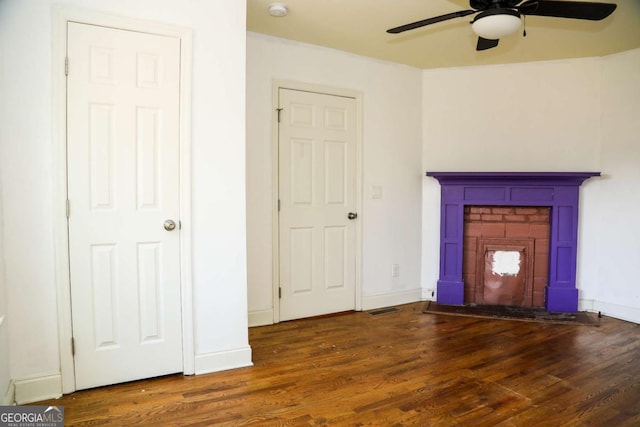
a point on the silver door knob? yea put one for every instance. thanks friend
(169, 225)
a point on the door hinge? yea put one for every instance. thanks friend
(278, 110)
(179, 225)
(278, 205)
(73, 346)
(66, 66)
(68, 208)
(279, 293)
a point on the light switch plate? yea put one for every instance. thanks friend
(376, 192)
(395, 270)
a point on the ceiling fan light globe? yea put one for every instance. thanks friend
(494, 26)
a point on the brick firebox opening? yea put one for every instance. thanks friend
(506, 255)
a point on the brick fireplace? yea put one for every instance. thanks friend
(506, 255)
(471, 250)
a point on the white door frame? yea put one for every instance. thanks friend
(62, 15)
(275, 239)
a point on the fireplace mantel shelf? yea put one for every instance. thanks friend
(557, 190)
(513, 177)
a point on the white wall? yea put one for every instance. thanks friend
(570, 115)
(523, 117)
(391, 159)
(218, 176)
(616, 246)
(5, 376)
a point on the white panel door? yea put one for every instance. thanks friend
(317, 191)
(123, 184)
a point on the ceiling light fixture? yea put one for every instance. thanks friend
(278, 9)
(494, 24)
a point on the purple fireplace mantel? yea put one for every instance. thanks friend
(558, 190)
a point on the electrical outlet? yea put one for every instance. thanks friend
(395, 270)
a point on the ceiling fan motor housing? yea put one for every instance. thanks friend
(496, 23)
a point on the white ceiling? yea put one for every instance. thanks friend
(359, 26)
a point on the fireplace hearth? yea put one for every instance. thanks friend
(557, 191)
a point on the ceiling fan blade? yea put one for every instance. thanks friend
(430, 21)
(568, 9)
(484, 44)
(528, 7)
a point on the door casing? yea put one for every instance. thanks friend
(62, 15)
(275, 227)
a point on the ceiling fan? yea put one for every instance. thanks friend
(499, 18)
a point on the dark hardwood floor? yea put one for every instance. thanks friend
(404, 368)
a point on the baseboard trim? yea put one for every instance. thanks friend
(427, 294)
(37, 389)
(622, 312)
(10, 395)
(223, 360)
(394, 298)
(260, 318)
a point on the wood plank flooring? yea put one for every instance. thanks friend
(398, 369)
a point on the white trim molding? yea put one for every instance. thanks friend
(391, 299)
(223, 360)
(260, 318)
(428, 294)
(37, 389)
(622, 312)
(61, 16)
(10, 395)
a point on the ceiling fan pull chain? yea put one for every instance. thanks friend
(524, 25)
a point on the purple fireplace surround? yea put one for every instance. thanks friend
(557, 190)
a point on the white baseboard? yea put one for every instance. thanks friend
(260, 318)
(428, 294)
(265, 317)
(586, 305)
(223, 360)
(622, 312)
(390, 299)
(10, 395)
(37, 389)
